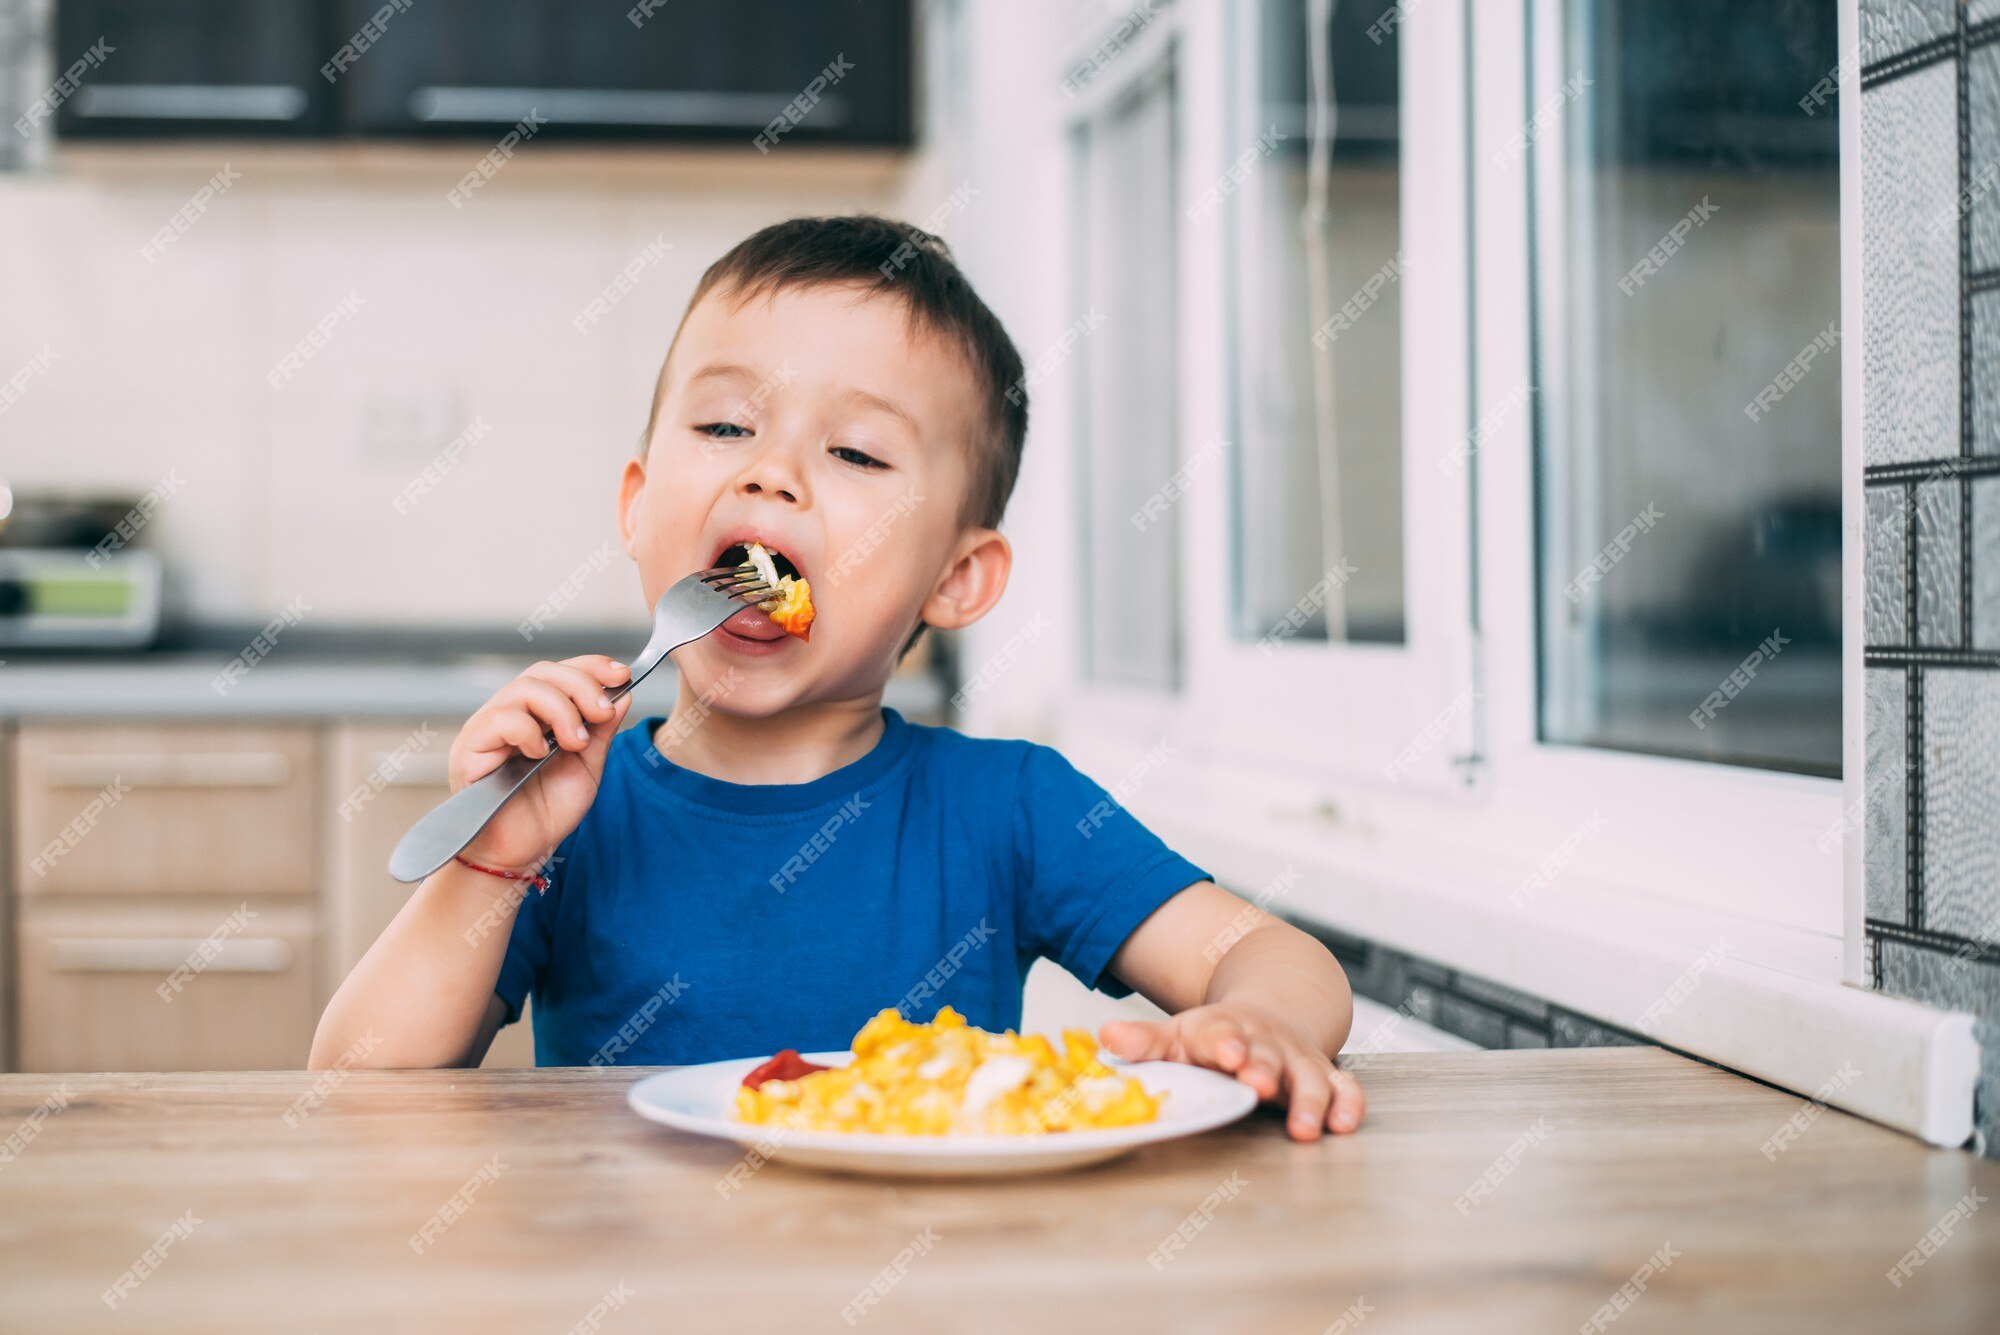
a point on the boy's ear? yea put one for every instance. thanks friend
(630, 487)
(975, 581)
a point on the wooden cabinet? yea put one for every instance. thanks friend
(166, 899)
(10, 1059)
(188, 896)
(174, 809)
(176, 984)
(382, 777)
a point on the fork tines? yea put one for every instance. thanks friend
(739, 582)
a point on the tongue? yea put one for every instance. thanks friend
(752, 624)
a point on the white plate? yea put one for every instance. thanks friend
(702, 1099)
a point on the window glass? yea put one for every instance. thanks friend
(1123, 338)
(1687, 260)
(1319, 492)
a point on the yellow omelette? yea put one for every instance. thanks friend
(947, 1077)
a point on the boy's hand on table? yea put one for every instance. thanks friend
(568, 699)
(1264, 1051)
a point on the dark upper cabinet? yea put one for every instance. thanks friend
(184, 68)
(705, 69)
(717, 71)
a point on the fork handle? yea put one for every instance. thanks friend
(449, 826)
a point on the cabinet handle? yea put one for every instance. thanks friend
(191, 101)
(612, 106)
(164, 954)
(192, 769)
(412, 771)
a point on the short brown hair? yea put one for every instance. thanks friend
(915, 267)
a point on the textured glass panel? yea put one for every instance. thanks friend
(1980, 10)
(1886, 563)
(1941, 978)
(1986, 369)
(1885, 813)
(1938, 556)
(1890, 27)
(1687, 280)
(1986, 563)
(1982, 72)
(1319, 478)
(1961, 890)
(1909, 261)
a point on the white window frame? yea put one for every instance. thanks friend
(1236, 699)
(1123, 710)
(1429, 866)
(1725, 838)
(1735, 856)
(1154, 56)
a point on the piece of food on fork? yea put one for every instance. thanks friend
(792, 609)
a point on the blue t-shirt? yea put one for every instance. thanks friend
(690, 919)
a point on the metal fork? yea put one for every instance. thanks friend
(689, 610)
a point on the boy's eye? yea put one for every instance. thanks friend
(723, 430)
(848, 454)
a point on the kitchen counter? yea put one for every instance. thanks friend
(1490, 1192)
(336, 673)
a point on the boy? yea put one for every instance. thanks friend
(784, 857)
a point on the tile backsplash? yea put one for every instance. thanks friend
(298, 337)
(1930, 182)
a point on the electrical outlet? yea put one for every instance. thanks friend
(408, 425)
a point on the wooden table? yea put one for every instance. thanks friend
(1490, 1192)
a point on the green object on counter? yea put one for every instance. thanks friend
(80, 596)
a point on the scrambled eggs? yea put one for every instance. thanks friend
(946, 1076)
(792, 609)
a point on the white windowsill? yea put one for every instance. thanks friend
(1054, 1001)
(1767, 1001)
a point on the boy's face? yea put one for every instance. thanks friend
(814, 421)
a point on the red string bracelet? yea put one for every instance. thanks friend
(540, 882)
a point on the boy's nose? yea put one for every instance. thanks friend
(774, 473)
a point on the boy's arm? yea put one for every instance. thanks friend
(423, 994)
(1249, 995)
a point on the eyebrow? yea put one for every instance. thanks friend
(723, 371)
(865, 399)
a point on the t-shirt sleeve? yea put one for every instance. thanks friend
(532, 940)
(1090, 872)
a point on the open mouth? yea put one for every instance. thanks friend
(790, 606)
(738, 554)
